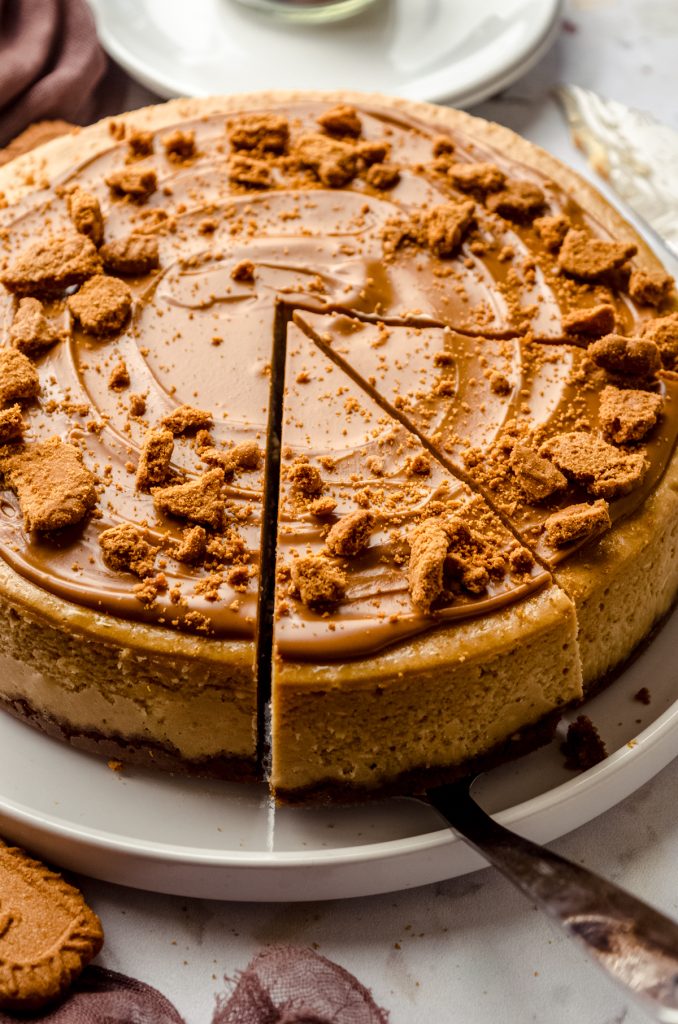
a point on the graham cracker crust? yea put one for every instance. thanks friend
(143, 752)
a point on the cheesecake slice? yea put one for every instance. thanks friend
(414, 636)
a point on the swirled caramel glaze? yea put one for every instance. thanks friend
(444, 386)
(198, 336)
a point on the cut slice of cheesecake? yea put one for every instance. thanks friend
(413, 635)
(564, 443)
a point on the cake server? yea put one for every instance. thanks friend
(633, 943)
(637, 156)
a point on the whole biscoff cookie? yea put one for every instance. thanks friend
(47, 932)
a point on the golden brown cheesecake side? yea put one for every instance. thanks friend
(185, 227)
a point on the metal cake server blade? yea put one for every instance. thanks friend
(633, 943)
(637, 155)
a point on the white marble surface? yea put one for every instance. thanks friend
(470, 950)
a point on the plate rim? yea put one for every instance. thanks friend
(513, 68)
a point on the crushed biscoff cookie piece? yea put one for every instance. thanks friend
(243, 271)
(637, 358)
(583, 747)
(382, 176)
(591, 259)
(428, 550)
(48, 936)
(372, 152)
(317, 582)
(627, 414)
(244, 456)
(53, 487)
(519, 201)
(31, 332)
(552, 230)
(155, 458)
(200, 501)
(605, 471)
(592, 322)
(102, 306)
(663, 331)
(85, 213)
(577, 523)
(650, 288)
(11, 424)
(139, 144)
(136, 254)
(245, 170)
(341, 120)
(185, 419)
(134, 183)
(19, 379)
(50, 267)
(124, 548)
(119, 378)
(260, 133)
(179, 146)
(479, 179)
(537, 476)
(305, 479)
(192, 546)
(333, 162)
(643, 696)
(446, 226)
(350, 535)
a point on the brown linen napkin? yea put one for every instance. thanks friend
(281, 985)
(50, 62)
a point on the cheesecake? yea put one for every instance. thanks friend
(358, 407)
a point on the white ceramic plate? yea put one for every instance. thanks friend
(210, 839)
(422, 49)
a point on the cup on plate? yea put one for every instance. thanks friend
(309, 11)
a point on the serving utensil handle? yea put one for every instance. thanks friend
(632, 942)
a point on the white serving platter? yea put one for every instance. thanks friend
(435, 50)
(224, 841)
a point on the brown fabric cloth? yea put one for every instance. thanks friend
(290, 985)
(106, 997)
(50, 62)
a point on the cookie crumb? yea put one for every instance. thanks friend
(383, 176)
(317, 583)
(192, 546)
(341, 120)
(643, 696)
(626, 357)
(591, 259)
(125, 549)
(577, 523)
(552, 230)
(663, 331)
(19, 379)
(350, 535)
(605, 471)
(627, 415)
(179, 146)
(650, 287)
(134, 183)
(428, 550)
(200, 501)
(537, 476)
(102, 306)
(31, 332)
(305, 479)
(518, 201)
(49, 267)
(446, 226)
(593, 322)
(119, 378)
(53, 486)
(136, 254)
(11, 424)
(185, 419)
(583, 748)
(85, 213)
(479, 179)
(260, 133)
(155, 458)
(243, 271)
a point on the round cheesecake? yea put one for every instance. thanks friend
(364, 406)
